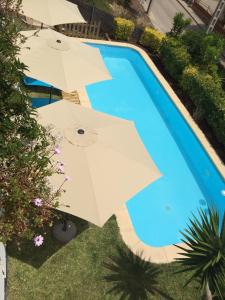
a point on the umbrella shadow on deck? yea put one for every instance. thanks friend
(37, 256)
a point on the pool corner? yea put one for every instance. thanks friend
(158, 255)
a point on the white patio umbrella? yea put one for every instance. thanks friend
(51, 12)
(61, 61)
(103, 155)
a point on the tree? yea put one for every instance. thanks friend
(125, 3)
(204, 254)
(207, 94)
(174, 56)
(179, 25)
(205, 49)
(26, 199)
(131, 277)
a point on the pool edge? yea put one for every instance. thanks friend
(158, 255)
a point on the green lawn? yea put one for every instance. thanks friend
(74, 271)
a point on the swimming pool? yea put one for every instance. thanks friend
(190, 180)
(39, 102)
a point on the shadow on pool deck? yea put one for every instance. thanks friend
(36, 256)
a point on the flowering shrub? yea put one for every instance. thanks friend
(123, 29)
(26, 148)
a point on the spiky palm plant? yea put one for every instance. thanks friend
(204, 255)
(131, 277)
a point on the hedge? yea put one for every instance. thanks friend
(174, 56)
(208, 96)
(205, 49)
(152, 39)
(123, 29)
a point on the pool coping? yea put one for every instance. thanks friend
(165, 254)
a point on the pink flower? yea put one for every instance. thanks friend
(57, 150)
(38, 240)
(67, 178)
(61, 169)
(38, 202)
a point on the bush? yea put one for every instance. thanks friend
(205, 49)
(152, 39)
(26, 197)
(123, 29)
(179, 25)
(124, 3)
(174, 56)
(208, 96)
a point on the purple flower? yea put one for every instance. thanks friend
(61, 169)
(38, 240)
(67, 178)
(57, 150)
(38, 202)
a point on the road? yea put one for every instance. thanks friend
(162, 13)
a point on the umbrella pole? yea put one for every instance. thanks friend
(65, 226)
(50, 95)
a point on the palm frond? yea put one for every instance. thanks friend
(204, 255)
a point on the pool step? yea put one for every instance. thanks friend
(72, 97)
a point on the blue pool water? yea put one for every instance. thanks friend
(39, 102)
(190, 180)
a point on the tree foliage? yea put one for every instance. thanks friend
(208, 96)
(25, 146)
(179, 25)
(204, 254)
(174, 56)
(205, 49)
(192, 58)
(124, 3)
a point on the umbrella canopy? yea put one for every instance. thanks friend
(103, 155)
(61, 61)
(52, 12)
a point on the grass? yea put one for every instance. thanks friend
(75, 270)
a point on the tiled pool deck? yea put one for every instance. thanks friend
(169, 253)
